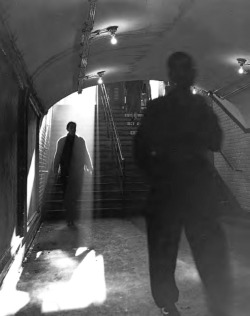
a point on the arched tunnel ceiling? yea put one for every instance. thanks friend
(48, 35)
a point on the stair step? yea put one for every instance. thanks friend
(101, 191)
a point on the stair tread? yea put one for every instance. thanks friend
(102, 189)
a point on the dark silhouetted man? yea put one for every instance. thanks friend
(172, 145)
(72, 157)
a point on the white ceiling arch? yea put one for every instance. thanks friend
(48, 35)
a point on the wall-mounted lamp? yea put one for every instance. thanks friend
(100, 81)
(194, 90)
(111, 29)
(99, 75)
(242, 62)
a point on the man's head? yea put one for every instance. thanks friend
(181, 69)
(71, 128)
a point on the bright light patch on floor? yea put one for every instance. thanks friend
(87, 286)
(38, 254)
(187, 271)
(12, 301)
(15, 242)
(13, 275)
(61, 259)
(80, 250)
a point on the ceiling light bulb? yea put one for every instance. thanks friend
(100, 81)
(194, 91)
(241, 70)
(113, 39)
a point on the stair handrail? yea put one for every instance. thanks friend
(216, 98)
(232, 167)
(115, 136)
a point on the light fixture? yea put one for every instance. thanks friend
(99, 75)
(85, 43)
(112, 30)
(113, 40)
(241, 70)
(194, 90)
(242, 62)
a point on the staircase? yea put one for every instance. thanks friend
(135, 184)
(107, 189)
(117, 187)
(101, 194)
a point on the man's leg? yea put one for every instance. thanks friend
(209, 247)
(64, 181)
(72, 197)
(208, 244)
(163, 240)
(67, 188)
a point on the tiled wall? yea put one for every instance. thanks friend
(44, 154)
(235, 169)
(8, 159)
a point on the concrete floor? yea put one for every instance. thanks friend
(101, 268)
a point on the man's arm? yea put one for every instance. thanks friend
(141, 147)
(58, 154)
(216, 134)
(213, 130)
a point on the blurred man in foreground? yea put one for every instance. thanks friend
(172, 146)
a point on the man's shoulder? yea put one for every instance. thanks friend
(158, 101)
(201, 104)
(79, 141)
(200, 99)
(153, 106)
(62, 139)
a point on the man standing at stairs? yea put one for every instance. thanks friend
(71, 159)
(171, 146)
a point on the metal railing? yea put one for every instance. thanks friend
(216, 99)
(113, 134)
(229, 163)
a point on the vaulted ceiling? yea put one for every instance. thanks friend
(48, 35)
